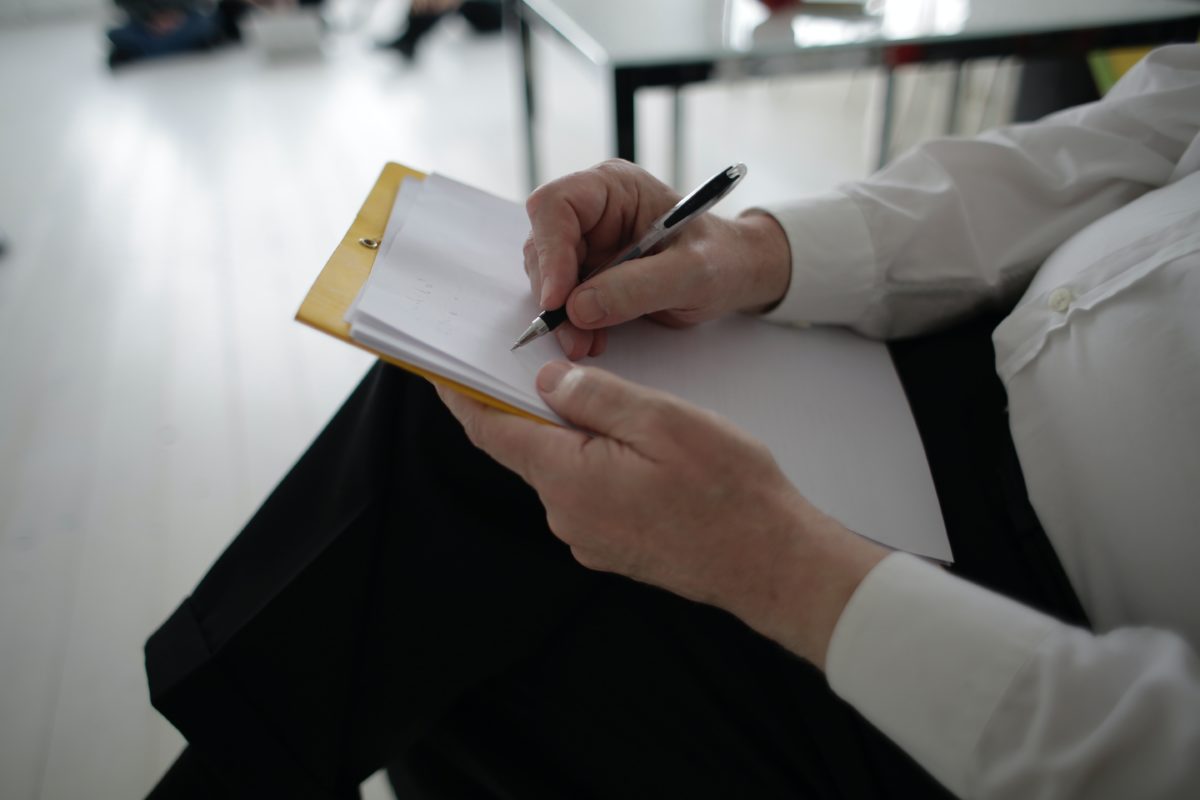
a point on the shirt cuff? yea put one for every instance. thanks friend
(927, 657)
(833, 261)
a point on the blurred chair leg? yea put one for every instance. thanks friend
(1052, 84)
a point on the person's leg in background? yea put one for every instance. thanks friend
(174, 32)
(484, 16)
(422, 16)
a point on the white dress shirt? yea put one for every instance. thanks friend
(1092, 217)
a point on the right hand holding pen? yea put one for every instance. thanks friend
(584, 220)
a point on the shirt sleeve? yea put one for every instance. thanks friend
(996, 700)
(956, 224)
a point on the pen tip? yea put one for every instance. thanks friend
(525, 338)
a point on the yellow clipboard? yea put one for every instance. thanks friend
(325, 305)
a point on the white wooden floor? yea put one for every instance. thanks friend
(164, 225)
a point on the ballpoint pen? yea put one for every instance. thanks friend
(670, 223)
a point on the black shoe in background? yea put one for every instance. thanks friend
(118, 57)
(484, 16)
(229, 18)
(414, 31)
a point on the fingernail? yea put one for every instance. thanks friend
(588, 308)
(552, 374)
(545, 294)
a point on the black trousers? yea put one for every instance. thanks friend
(399, 600)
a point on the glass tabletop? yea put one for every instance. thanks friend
(625, 33)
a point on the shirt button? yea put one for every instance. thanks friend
(1060, 299)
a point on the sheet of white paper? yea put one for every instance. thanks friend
(406, 196)
(455, 281)
(451, 294)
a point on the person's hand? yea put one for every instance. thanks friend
(584, 220)
(675, 496)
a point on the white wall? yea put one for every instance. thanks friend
(17, 11)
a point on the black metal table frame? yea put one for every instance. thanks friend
(627, 80)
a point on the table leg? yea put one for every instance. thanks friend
(527, 81)
(677, 129)
(955, 98)
(885, 126)
(624, 86)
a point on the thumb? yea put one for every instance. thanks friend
(665, 280)
(594, 399)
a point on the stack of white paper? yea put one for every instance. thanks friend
(448, 293)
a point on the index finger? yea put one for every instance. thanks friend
(560, 214)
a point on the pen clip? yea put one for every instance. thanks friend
(706, 196)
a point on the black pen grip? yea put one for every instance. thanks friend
(553, 317)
